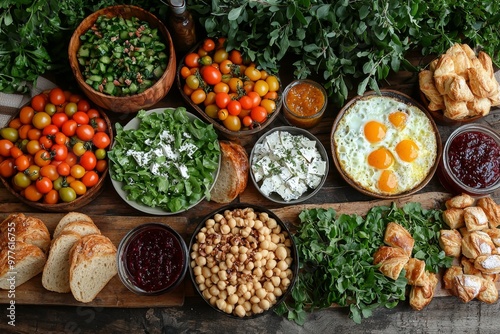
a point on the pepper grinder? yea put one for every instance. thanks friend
(181, 25)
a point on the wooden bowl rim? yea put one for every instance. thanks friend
(112, 11)
(218, 126)
(80, 201)
(408, 100)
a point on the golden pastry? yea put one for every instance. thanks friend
(397, 236)
(475, 219)
(391, 260)
(450, 242)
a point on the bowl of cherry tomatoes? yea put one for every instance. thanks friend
(229, 91)
(53, 152)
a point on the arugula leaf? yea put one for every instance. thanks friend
(155, 178)
(336, 262)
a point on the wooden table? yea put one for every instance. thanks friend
(444, 314)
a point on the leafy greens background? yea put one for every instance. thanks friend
(348, 44)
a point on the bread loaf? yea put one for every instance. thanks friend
(93, 264)
(233, 174)
(30, 230)
(28, 262)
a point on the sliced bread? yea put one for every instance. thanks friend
(93, 264)
(28, 262)
(81, 228)
(69, 218)
(55, 276)
(233, 174)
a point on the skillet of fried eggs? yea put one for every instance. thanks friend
(385, 145)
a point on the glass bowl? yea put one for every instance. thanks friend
(152, 259)
(471, 161)
(304, 103)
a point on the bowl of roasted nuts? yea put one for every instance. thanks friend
(244, 261)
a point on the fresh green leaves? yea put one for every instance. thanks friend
(349, 44)
(336, 262)
(168, 162)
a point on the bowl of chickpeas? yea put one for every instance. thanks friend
(243, 260)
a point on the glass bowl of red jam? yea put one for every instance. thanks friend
(152, 259)
(304, 103)
(471, 161)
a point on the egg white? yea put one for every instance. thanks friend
(352, 148)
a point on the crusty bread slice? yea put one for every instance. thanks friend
(93, 264)
(27, 229)
(55, 276)
(28, 262)
(69, 218)
(233, 174)
(81, 228)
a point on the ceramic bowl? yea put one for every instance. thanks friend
(132, 103)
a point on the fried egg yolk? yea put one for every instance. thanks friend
(398, 119)
(381, 158)
(374, 131)
(407, 150)
(387, 182)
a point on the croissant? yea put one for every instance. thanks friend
(460, 201)
(475, 218)
(391, 260)
(415, 272)
(421, 296)
(467, 287)
(489, 264)
(450, 242)
(479, 106)
(427, 86)
(477, 243)
(454, 218)
(489, 292)
(491, 209)
(460, 59)
(397, 236)
(455, 109)
(480, 81)
(449, 277)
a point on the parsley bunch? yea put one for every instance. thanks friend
(349, 44)
(335, 257)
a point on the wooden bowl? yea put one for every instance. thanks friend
(399, 97)
(439, 116)
(80, 201)
(242, 136)
(133, 103)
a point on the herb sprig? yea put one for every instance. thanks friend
(335, 257)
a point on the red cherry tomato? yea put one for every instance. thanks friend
(88, 160)
(101, 140)
(85, 132)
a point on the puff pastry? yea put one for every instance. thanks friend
(494, 234)
(467, 287)
(415, 272)
(449, 277)
(427, 86)
(397, 236)
(456, 88)
(480, 81)
(468, 267)
(489, 292)
(454, 218)
(460, 59)
(491, 209)
(460, 201)
(451, 242)
(479, 106)
(391, 260)
(477, 243)
(421, 296)
(455, 109)
(488, 264)
(468, 51)
(475, 218)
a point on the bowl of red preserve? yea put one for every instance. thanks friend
(152, 259)
(471, 161)
(304, 103)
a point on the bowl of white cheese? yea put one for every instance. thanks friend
(288, 165)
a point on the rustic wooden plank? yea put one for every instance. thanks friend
(114, 294)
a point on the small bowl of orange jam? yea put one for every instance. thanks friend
(304, 102)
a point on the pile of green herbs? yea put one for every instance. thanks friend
(350, 44)
(35, 34)
(336, 259)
